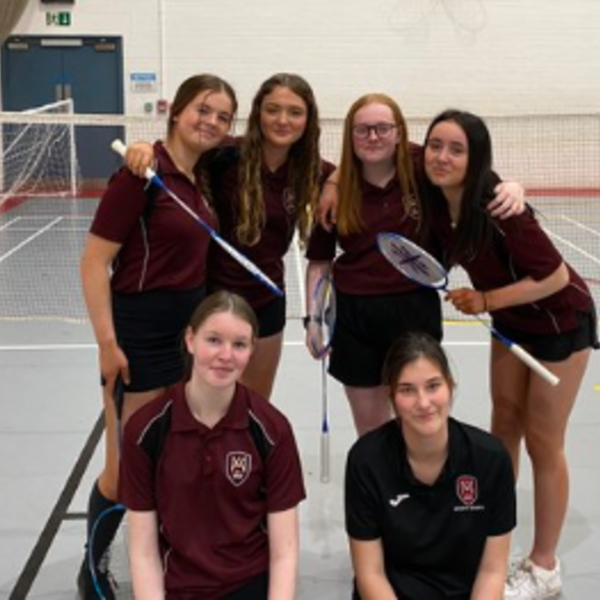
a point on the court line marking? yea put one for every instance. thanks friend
(9, 223)
(30, 239)
(58, 514)
(71, 347)
(574, 247)
(580, 225)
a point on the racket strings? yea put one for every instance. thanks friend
(322, 316)
(413, 262)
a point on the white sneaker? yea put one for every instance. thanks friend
(530, 582)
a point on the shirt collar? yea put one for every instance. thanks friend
(455, 450)
(236, 416)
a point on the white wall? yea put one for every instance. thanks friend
(495, 57)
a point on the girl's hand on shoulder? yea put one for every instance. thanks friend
(509, 200)
(328, 201)
(139, 156)
(468, 301)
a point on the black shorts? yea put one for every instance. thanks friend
(556, 347)
(150, 327)
(271, 317)
(255, 589)
(367, 325)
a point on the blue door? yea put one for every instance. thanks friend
(38, 70)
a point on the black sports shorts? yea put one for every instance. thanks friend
(271, 317)
(556, 347)
(366, 326)
(150, 327)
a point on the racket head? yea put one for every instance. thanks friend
(412, 261)
(322, 315)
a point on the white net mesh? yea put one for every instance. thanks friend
(38, 153)
(43, 228)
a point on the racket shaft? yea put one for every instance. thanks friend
(325, 456)
(325, 449)
(247, 264)
(120, 148)
(533, 364)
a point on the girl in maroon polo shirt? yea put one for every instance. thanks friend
(535, 298)
(265, 188)
(143, 272)
(378, 192)
(211, 475)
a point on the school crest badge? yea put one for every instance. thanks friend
(467, 489)
(238, 466)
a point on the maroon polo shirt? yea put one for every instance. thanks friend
(206, 489)
(360, 268)
(522, 250)
(276, 236)
(162, 248)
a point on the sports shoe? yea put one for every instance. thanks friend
(530, 582)
(105, 587)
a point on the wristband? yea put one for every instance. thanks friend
(309, 319)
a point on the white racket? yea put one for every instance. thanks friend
(320, 327)
(419, 266)
(119, 147)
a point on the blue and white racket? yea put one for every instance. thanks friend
(119, 147)
(320, 328)
(419, 266)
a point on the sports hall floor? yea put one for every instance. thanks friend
(50, 404)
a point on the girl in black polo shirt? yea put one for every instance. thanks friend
(143, 272)
(430, 501)
(534, 298)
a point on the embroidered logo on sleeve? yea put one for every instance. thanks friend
(467, 490)
(238, 466)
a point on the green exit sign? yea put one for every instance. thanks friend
(63, 19)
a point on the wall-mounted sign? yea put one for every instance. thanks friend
(142, 83)
(62, 19)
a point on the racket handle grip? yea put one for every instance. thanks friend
(120, 148)
(535, 365)
(325, 457)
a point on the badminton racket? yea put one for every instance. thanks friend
(119, 147)
(320, 327)
(419, 266)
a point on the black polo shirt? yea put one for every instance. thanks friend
(211, 488)
(433, 536)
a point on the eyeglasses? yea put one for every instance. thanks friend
(382, 130)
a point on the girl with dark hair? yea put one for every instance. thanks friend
(143, 272)
(378, 186)
(430, 501)
(536, 299)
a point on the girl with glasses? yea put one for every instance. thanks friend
(379, 191)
